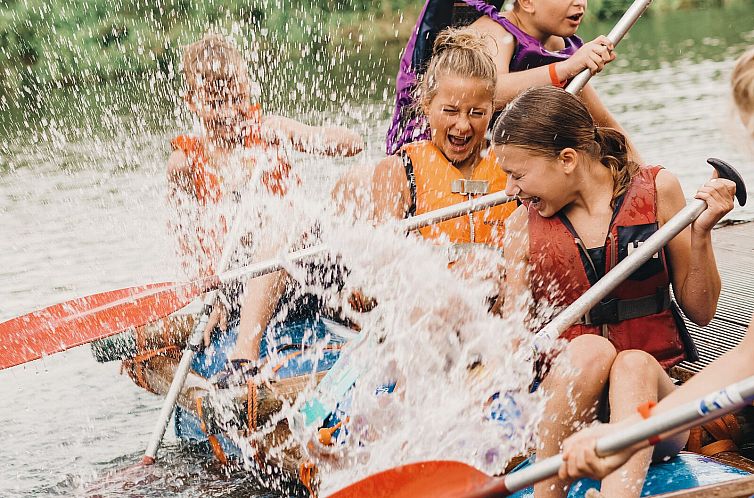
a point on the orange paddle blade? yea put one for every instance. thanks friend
(436, 479)
(86, 319)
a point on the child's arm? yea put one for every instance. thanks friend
(694, 275)
(325, 140)
(501, 45)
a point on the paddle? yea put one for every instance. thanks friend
(86, 319)
(454, 479)
(89, 318)
(232, 239)
(447, 478)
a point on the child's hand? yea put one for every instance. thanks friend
(592, 56)
(718, 193)
(580, 459)
(217, 318)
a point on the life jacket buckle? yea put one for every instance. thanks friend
(469, 187)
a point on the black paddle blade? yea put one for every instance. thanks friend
(728, 172)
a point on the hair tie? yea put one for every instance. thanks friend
(596, 134)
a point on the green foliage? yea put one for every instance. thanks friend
(47, 43)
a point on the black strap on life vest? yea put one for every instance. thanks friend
(618, 310)
(411, 177)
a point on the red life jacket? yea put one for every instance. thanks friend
(639, 313)
(435, 183)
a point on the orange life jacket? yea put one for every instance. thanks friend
(208, 189)
(435, 183)
(639, 313)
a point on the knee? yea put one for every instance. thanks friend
(591, 354)
(633, 363)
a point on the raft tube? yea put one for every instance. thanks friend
(686, 471)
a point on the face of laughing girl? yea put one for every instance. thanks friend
(540, 182)
(458, 116)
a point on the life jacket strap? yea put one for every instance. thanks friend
(618, 310)
(469, 187)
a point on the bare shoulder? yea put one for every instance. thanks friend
(485, 25)
(391, 165)
(178, 164)
(670, 197)
(500, 43)
(517, 234)
(518, 220)
(667, 184)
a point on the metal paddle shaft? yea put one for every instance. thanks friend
(629, 18)
(269, 266)
(194, 343)
(589, 299)
(669, 423)
(407, 225)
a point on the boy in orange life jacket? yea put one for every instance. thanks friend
(205, 168)
(585, 204)
(579, 458)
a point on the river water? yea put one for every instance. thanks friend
(82, 210)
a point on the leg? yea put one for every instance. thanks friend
(572, 400)
(636, 378)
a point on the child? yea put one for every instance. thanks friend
(533, 45)
(579, 458)
(585, 205)
(456, 164)
(235, 138)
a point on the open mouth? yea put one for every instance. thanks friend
(576, 17)
(530, 202)
(458, 141)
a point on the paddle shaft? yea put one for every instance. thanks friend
(629, 18)
(672, 422)
(263, 268)
(194, 343)
(407, 225)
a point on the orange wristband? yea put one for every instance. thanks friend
(645, 410)
(554, 76)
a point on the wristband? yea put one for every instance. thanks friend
(554, 76)
(645, 410)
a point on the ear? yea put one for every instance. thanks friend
(525, 6)
(568, 159)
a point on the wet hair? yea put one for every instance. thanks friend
(546, 120)
(742, 85)
(213, 63)
(457, 52)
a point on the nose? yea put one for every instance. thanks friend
(580, 3)
(511, 188)
(462, 124)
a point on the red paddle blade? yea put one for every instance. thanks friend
(86, 319)
(434, 479)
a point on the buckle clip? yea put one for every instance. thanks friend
(469, 187)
